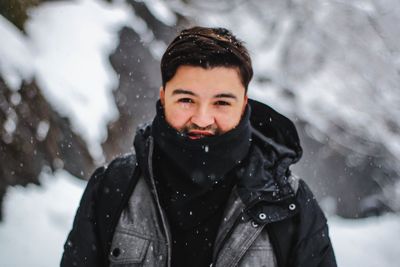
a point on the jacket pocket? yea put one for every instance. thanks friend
(259, 254)
(127, 250)
(258, 258)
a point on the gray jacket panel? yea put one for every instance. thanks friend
(138, 239)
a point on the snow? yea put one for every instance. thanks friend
(38, 219)
(67, 44)
(366, 242)
(14, 55)
(72, 42)
(66, 48)
(161, 11)
(339, 60)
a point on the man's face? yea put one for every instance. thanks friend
(204, 102)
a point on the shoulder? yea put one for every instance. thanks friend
(304, 195)
(313, 241)
(121, 163)
(126, 159)
(108, 177)
(125, 162)
(118, 173)
(311, 218)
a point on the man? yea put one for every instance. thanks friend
(210, 184)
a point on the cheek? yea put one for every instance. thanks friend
(177, 118)
(227, 122)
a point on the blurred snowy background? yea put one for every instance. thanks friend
(77, 77)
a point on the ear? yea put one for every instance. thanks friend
(245, 103)
(162, 95)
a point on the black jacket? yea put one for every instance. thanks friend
(299, 234)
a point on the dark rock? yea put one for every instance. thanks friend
(140, 80)
(34, 136)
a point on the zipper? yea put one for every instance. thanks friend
(163, 218)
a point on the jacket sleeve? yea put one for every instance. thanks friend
(314, 247)
(82, 246)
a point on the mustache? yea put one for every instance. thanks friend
(211, 128)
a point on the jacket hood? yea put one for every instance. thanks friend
(264, 178)
(275, 131)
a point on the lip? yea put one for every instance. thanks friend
(197, 134)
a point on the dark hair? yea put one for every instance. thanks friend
(206, 48)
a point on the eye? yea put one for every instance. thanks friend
(185, 100)
(222, 103)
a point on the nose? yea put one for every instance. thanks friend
(203, 117)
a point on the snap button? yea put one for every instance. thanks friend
(262, 216)
(292, 206)
(116, 252)
(254, 224)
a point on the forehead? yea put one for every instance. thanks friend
(206, 82)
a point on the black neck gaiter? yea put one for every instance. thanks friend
(205, 161)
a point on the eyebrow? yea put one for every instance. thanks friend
(187, 92)
(183, 92)
(228, 95)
